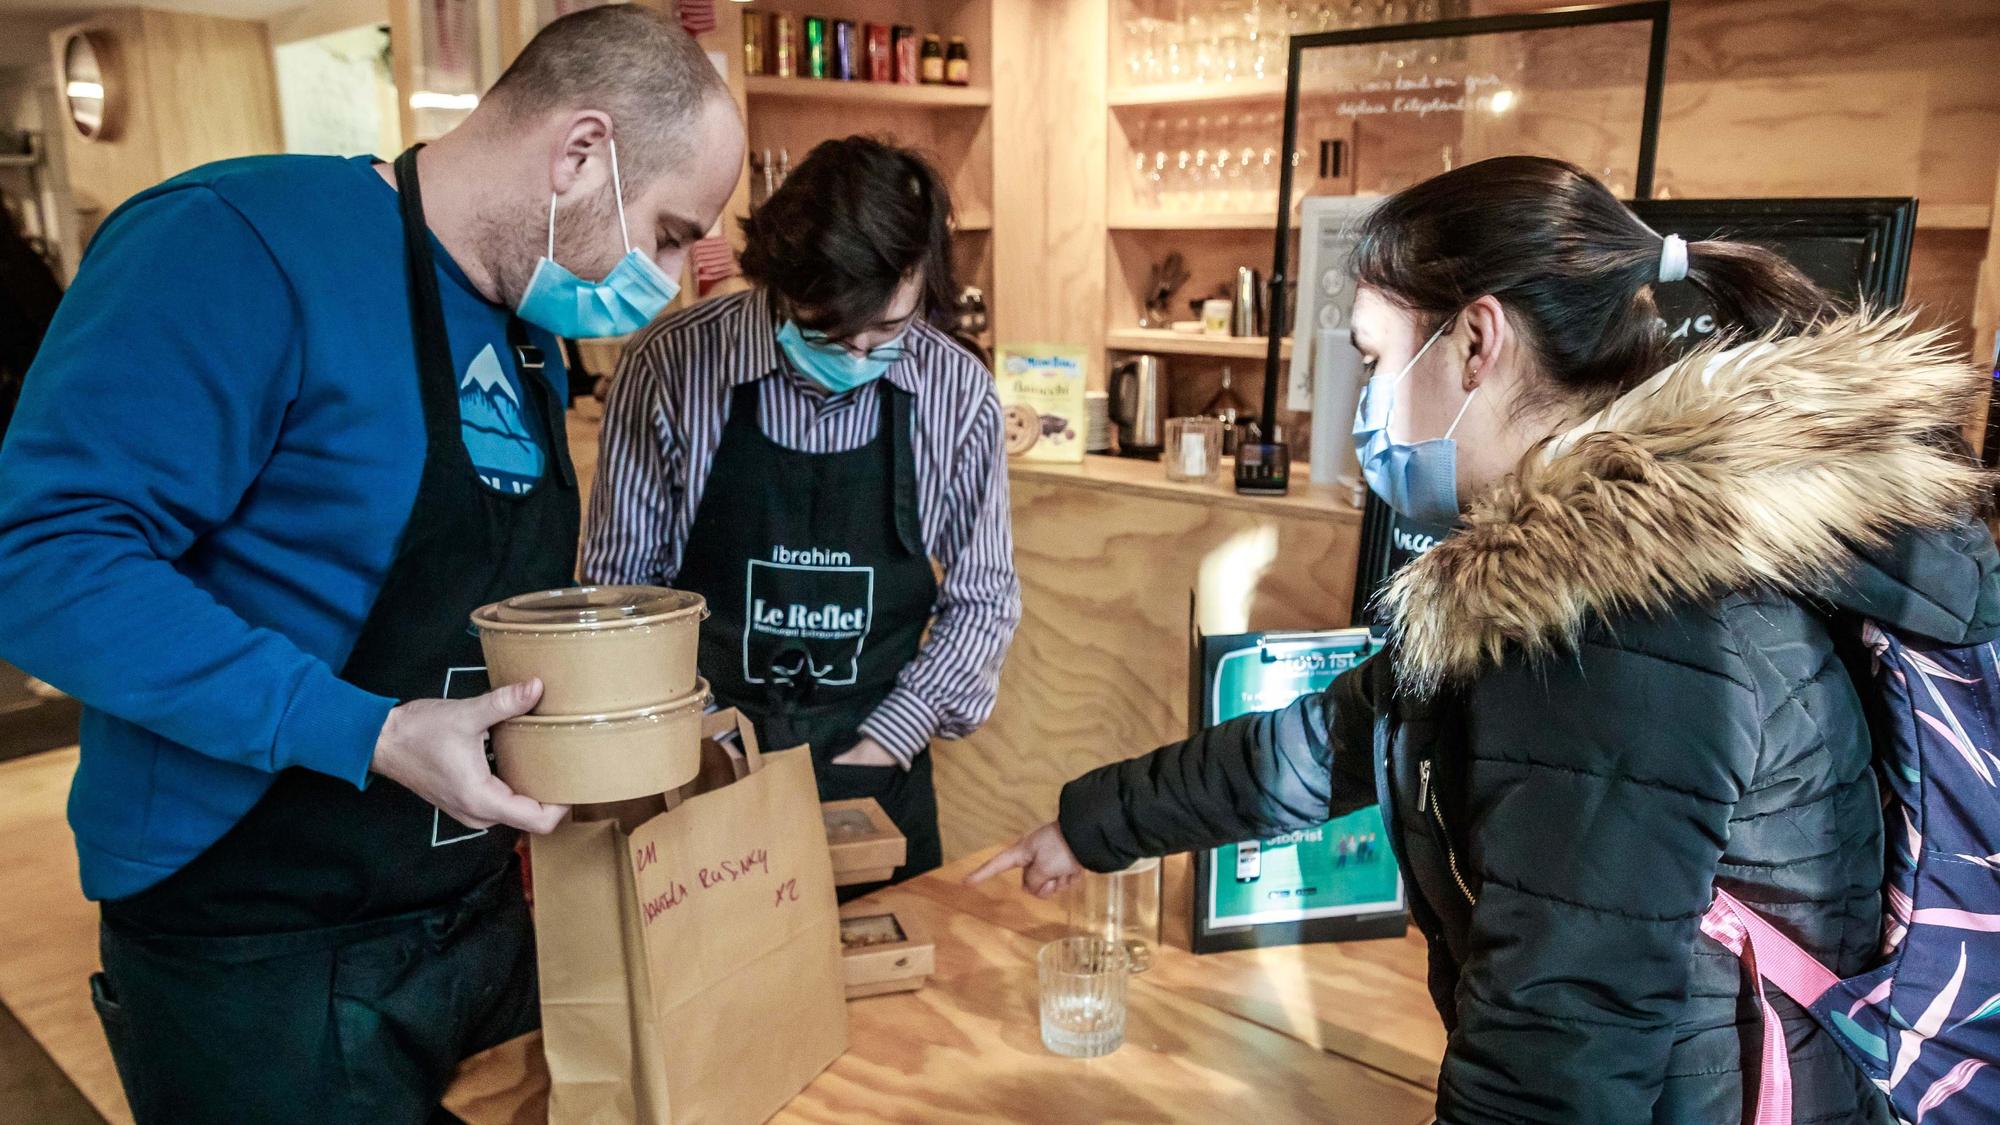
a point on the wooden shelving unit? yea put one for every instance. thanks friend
(951, 125)
(1138, 219)
(1954, 216)
(1194, 93)
(1165, 342)
(867, 93)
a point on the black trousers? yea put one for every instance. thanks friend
(359, 1023)
(909, 797)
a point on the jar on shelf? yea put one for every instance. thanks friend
(932, 69)
(958, 63)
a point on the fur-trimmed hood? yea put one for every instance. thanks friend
(1778, 464)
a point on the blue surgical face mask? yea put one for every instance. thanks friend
(628, 298)
(1417, 479)
(832, 365)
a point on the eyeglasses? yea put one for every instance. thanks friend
(889, 352)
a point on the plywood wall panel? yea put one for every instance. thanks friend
(196, 89)
(1099, 668)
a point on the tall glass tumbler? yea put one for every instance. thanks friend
(1124, 906)
(1083, 996)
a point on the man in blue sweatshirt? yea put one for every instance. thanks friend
(297, 418)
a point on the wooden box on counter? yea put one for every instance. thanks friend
(882, 951)
(865, 844)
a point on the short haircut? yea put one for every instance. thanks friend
(849, 223)
(628, 61)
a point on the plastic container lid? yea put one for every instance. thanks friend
(590, 607)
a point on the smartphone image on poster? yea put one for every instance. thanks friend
(1249, 861)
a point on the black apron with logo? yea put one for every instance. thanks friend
(337, 953)
(819, 590)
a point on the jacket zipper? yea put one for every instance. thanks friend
(1444, 834)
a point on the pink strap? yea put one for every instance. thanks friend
(1769, 955)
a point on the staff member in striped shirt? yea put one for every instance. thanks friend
(824, 465)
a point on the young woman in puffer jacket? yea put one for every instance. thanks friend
(1631, 676)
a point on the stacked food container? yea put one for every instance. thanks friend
(621, 706)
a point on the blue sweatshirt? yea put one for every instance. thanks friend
(214, 457)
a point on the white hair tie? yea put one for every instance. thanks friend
(1673, 259)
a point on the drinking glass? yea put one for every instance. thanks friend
(1153, 157)
(1245, 188)
(1197, 190)
(1200, 47)
(1179, 170)
(1173, 52)
(1124, 906)
(1135, 50)
(1083, 983)
(1127, 906)
(1220, 170)
(1151, 67)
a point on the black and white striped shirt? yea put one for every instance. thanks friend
(664, 421)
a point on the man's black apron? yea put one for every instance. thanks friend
(337, 953)
(819, 591)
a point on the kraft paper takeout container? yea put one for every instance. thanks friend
(601, 758)
(598, 650)
(866, 846)
(881, 952)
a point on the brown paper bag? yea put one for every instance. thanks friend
(690, 960)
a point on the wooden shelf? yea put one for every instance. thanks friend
(1168, 342)
(1263, 221)
(974, 220)
(1954, 216)
(869, 93)
(1178, 93)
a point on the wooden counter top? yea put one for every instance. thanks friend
(1327, 1034)
(1323, 1034)
(1135, 477)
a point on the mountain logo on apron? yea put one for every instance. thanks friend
(496, 436)
(805, 621)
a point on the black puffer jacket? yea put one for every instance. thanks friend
(1628, 680)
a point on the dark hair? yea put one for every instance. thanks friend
(628, 61)
(1573, 267)
(844, 230)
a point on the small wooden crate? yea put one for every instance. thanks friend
(883, 952)
(865, 844)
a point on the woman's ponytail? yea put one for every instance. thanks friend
(1753, 290)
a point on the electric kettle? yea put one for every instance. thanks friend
(1139, 406)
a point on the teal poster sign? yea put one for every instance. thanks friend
(1339, 869)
